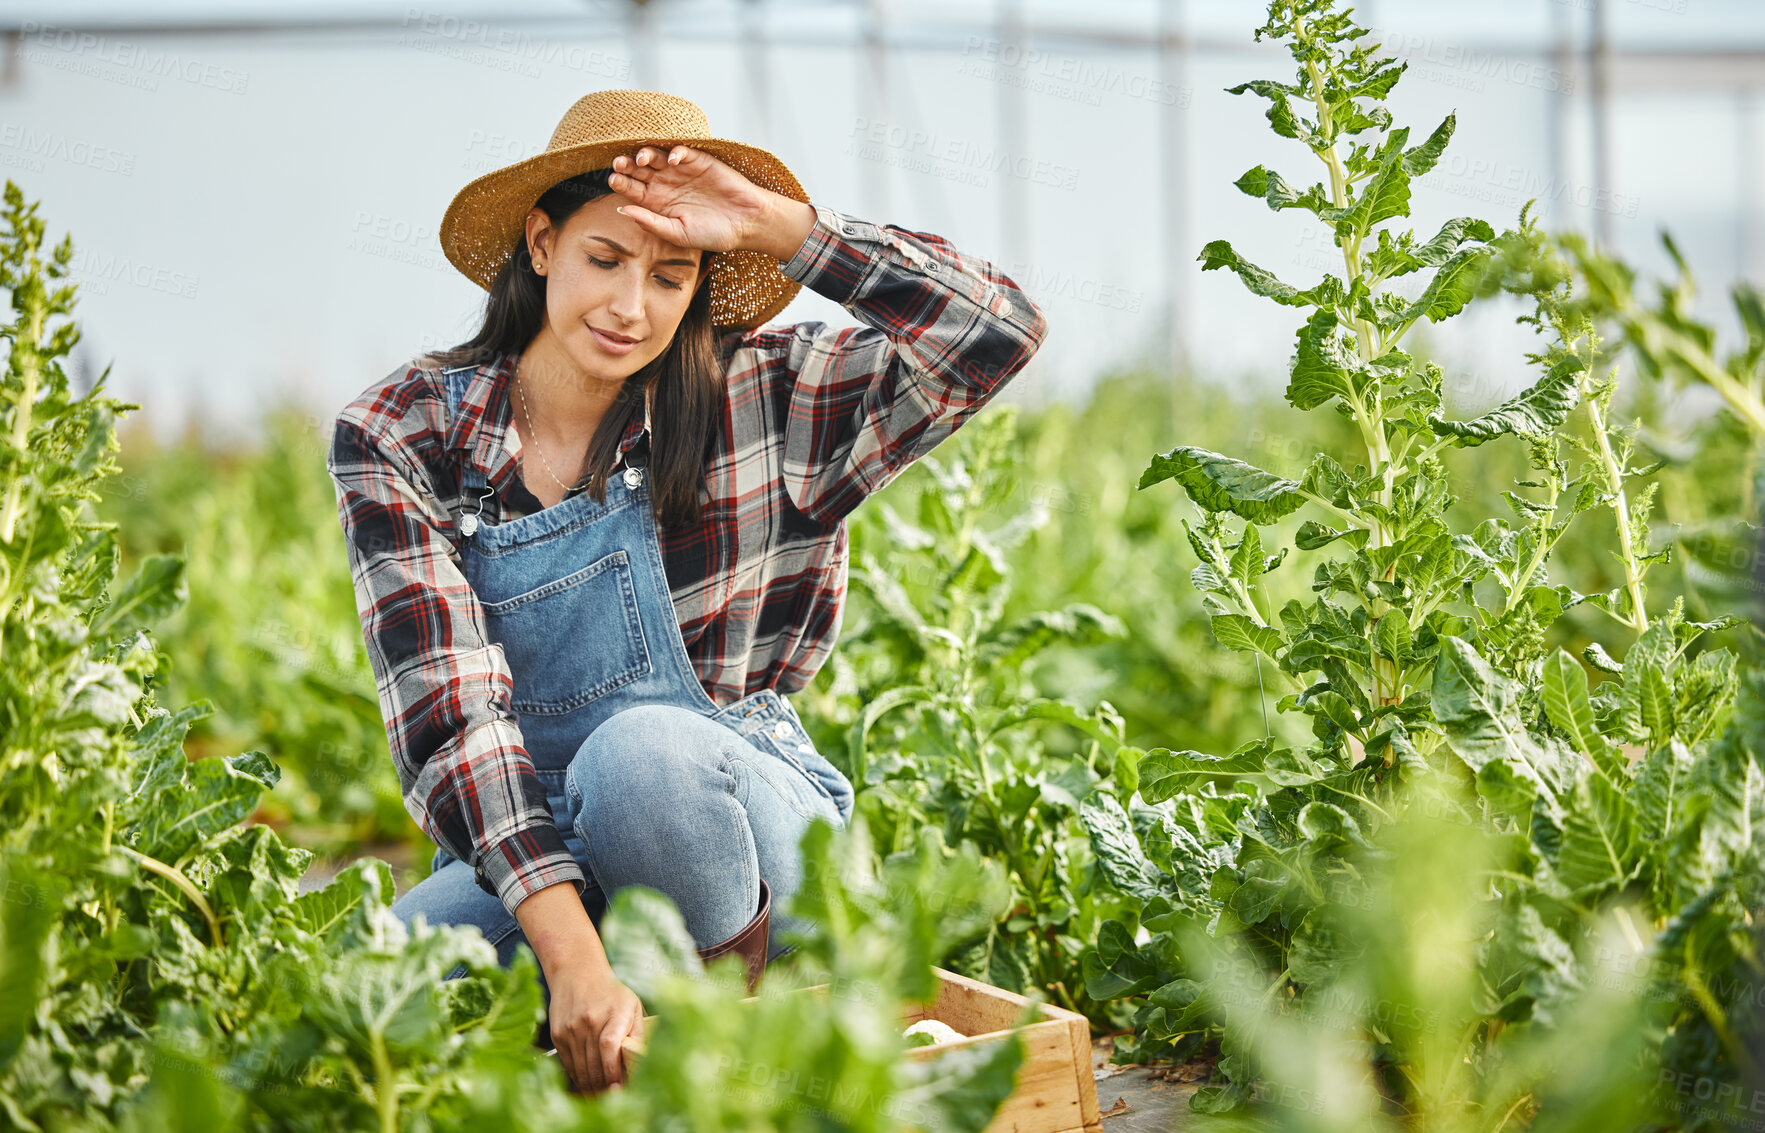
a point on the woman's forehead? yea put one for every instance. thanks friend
(603, 225)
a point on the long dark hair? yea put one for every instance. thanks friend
(687, 376)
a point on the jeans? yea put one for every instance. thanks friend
(663, 796)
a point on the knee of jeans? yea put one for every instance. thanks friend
(648, 742)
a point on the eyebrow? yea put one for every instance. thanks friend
(618, 247)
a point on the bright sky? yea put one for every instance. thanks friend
(255, 215)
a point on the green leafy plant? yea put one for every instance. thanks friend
(943, 718)
(269, 633)
(1424, 658)
(822, 1045)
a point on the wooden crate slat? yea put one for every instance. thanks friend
(1054, 1092)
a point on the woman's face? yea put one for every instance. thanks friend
(604, 273)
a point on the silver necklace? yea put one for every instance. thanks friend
(543, 463)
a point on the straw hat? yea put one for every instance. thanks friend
(484, 219)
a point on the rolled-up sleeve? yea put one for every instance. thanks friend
(943, 332)
(444, 687)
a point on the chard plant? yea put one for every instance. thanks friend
(1424, 663)
(934, 701)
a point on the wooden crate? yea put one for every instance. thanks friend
(1055, 1091)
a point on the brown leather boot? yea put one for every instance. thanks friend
(749, 941)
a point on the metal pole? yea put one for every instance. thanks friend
(758, 107)
(1561, 105)
(1013, 208)
(1173, 121)
(873, 104)
(1600, 53)
(1746, 189)
(641, 28)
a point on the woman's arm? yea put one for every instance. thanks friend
(943, 333)
(466, 776)
(444, 688)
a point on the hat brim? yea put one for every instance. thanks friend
(485, 218)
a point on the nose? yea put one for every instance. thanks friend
(627, 304)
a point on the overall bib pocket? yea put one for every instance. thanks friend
(591, 613)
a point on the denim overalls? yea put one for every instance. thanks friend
(620, 731)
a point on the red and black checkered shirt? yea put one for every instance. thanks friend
(816, 420)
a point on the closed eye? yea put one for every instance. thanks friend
(609, 264)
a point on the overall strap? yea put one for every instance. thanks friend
(454, 382)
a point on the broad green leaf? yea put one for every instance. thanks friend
(1452, 234)
(1274, 190)
(1600, 849)
(1220, 483)
(364, 883)
(1322, 363)
(1541, 408)
(1385, 195)
(1479, 710)
(1313, 535)
(1567, 705)
(33, 907)
(1235, 631)
(1452, 286)
(153, 591)
(1419, 160)
(1115, 967)
(857, 737)
(1260, 281)
(1391, 636)
(1165, 773)
(1280, 113)
(215, 794)
(1117, 847)
(1655, 704)
(1100, 723)
(1246, 563)
(1659, 789)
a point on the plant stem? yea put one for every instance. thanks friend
(1524, 576)
(29, 363)
(1638, 619)
(385, 1090)
(176, 877)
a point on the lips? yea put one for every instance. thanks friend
(619, 338)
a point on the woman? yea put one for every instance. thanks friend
(580, 656)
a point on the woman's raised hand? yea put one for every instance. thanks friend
(688, 197)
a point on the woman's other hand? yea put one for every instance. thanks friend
(691, 198)
(591, 1012)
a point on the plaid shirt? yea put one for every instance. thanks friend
(816, 420)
